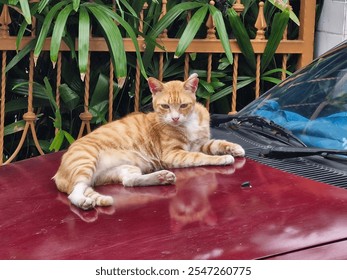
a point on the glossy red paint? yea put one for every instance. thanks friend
(207, 215)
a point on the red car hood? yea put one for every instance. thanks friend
(211, 213)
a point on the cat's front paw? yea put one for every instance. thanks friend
(223, 147)
(166, 177)
(227, 159)
(235, 150)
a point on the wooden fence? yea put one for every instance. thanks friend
(303, 47)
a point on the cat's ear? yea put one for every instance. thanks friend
(155, 85)
(192, 83)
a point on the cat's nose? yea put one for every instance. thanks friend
(175, 119)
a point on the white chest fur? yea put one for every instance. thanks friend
(198, 132)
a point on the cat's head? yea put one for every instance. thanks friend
(174, 101)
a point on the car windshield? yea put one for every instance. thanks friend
(312, 103)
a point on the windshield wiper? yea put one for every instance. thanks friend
(265, 123)
(291, 152)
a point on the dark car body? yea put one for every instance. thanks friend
(285, 200)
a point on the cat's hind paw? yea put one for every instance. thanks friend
(84, 203)
(104, 200)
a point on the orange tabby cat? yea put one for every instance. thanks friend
(137, 149)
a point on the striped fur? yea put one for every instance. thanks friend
(137, 149)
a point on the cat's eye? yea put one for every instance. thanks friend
(184, 105)
(165, 106)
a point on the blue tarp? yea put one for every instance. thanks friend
(328, 132)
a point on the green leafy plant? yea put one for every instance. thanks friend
(71, 21)
(242, 37)
(56, 21)
(61, 134)
(279, 24)
(190, 31)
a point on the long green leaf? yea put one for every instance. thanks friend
(20, 34)
(171, 15)
(58, 32)
(273, 80)
(58, 122)
(24, 4)
(226, 91)
(19, 56)
(120, 8)
(24, 26)
(70, 98)
(57, 141)
(283, 7)
(214, 74)
(70, 42)
(222, 32)
(207, 86)
(46, 26)
(83, 40)
(276, 70)
(163, 23)
(247, 5)
(115, 42)
(100, 92)
(191, 30)
(99, 111)
(129, 31)
(42, 5)
(129, 7)
(75, 4)
(279, 24)
(22, 103)
(68, 137)
(14, 127)
(49, 93)
(20, 86)
(242, 37)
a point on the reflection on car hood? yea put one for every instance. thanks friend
(245, 211)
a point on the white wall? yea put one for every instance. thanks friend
(332, 25)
